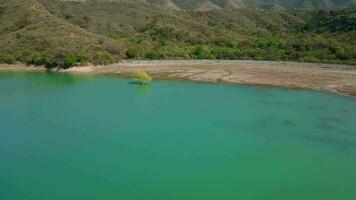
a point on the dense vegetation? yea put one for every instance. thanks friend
(264, 4)
(57, 33)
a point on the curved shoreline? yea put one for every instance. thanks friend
(340, 79)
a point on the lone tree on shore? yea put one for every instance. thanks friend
(141, 77)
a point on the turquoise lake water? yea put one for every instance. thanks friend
(67, 137)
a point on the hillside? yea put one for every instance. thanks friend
(249, 4)
(259, 4)
(56, 32)
(31, 34)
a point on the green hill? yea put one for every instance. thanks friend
(264, 4)
(55, 32)
(31, 34)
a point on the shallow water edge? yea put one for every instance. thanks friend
(340, 79)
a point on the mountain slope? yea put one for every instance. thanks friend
(127, 17)
(32, 34)
(309, 4)
(264, 4)
(57, 32)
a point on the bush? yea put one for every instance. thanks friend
(61, 61)
(132, 53)
(7, 58)
(141, 77)
(341, 54)
(49, 63)
(32, 58)
(152, 55)
(112, 48)
(103, 59)
(199, 52)
(69, 61)
(82, 59)
(226, 53)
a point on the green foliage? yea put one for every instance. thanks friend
(32, 58)
(331, 21)
(141, 77)
(261, 4)
(7, 58)
(340, 54)
(70, 61)
(132, 53)
(200, 52)
(61, 60)
(33, 35)
(64, 34)
(103, 59)
(227, 53)
(152, 55)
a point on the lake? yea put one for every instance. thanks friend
(102, 137)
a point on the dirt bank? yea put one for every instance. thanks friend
(340, 79)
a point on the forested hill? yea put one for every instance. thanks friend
(65, 33)
(266, 4)
(254, 4)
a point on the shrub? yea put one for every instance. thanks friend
(61, 61)
(132, 53)
(112, 48)
(141, 77)
(7, 58)
(49, 63)
(245, 43)
(199, 52)
(186, 56)
(226, 53)
(341, 54)
(151, 54)
(31, 58)
(69, 61)
(103, 59)
(82, 59)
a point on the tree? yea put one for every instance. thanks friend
(141, 77)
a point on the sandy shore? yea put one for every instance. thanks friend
(339, 79)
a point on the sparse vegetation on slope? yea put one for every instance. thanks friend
(57, 33)
(263, 4)
(31, 34)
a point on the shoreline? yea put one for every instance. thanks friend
(340, 79)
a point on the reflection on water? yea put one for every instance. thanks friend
(142, 89)
(43, 80)
(52, 80)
